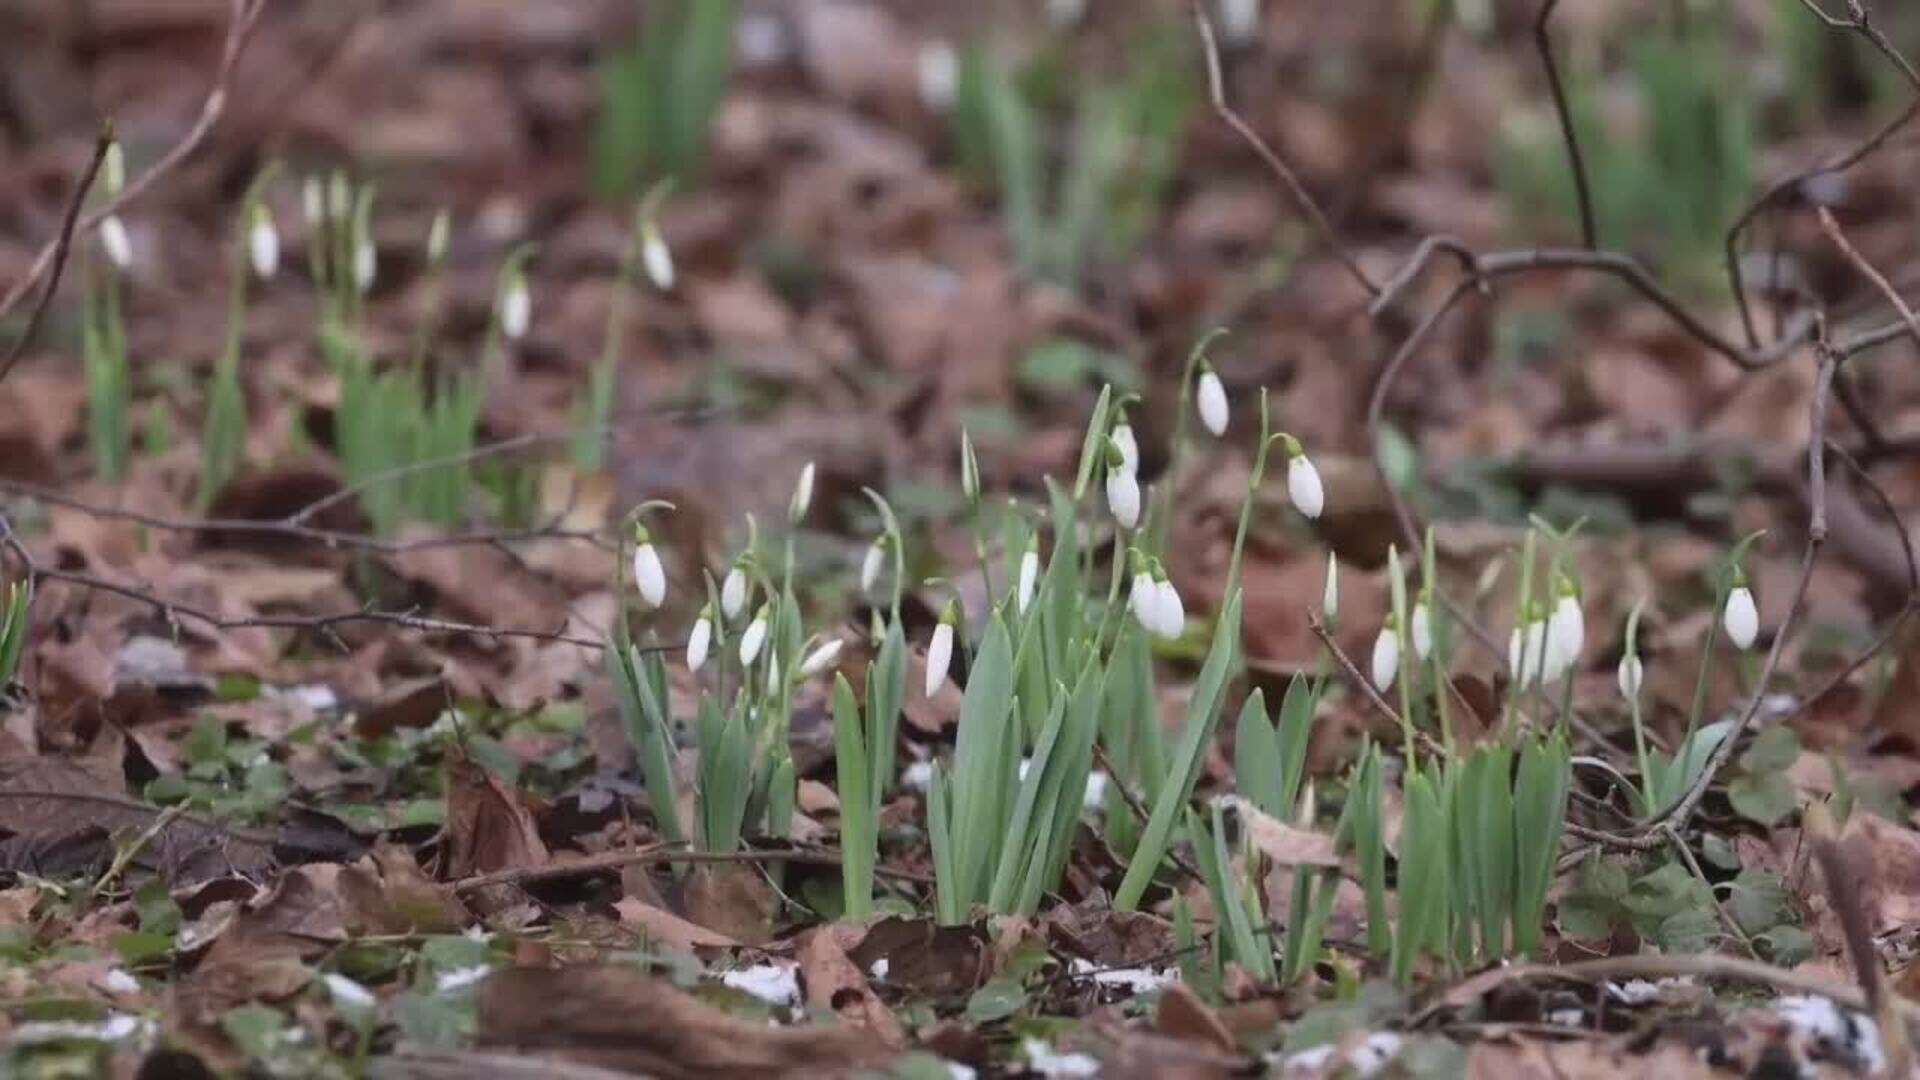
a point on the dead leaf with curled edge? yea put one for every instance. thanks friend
(834, 982)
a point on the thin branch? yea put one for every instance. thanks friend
(246, 15)
(62, 245)
(1139, 809)
(1576, 163)
(1217, 92)
(664, 853)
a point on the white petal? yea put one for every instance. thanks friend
(802, 494)
(697, 644)
(1303, 486)
(649, 576)
(773, 672)
(348, 994)
(939, 656)
(1172, 613)
(1742, 619)
(263, 247)
(870, 566)
(115, 241)
(751, 641)
(1422, 631)
(1029, 578)
(1533, 653)
(1129, 447)
(1515, 641)
(1630, 675)
(365, 264)
(938, 68)
(733, 593)
(1211, 398)
(1566, 635)
(1330, 595)
(516, 310)
(1144, 601)
(1386, 658)
(653, 250)
(1123, 497)
(822, 658)
(1239, 20)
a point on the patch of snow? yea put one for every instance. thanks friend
(116, 1027)
(879, 968)
(118, 981)
(1848, 1033)
(1053, 1065)
(772, 983)
(458, 979)
(918, 776)
(1373, 1055)
(1139, 980)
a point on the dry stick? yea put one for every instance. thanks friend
(1576, 163)
(1216, 90)
(1726, 918)
(1860, 23)
(1366, 685)
(125, 856)
(1139, 808)
(659, 853)
(62, 245)
(246, 15)
(1650, 966)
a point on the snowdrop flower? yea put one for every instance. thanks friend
(1741, 618)
(1330, 595)
(1566, 632)
(654, 253)
(1386, 654)
(313, 202)
(1526, 646)
(871, 565)
(365, 263)
(1123, 496)
(1172, 613)
(969, 469)
(1210, 397)
(1630, 674)
(1303, 480)
(733, 593)
(437, 236)
(938, 68)
(700, 639)
(822, 658)
(940, 650)
(1065, 14)
(115, 242)
(1422, 631)
(263, 243)
(516, 307)
(648, 575)
(1129, 446)
(755, 636)
(802, 495)
(1239, 20)
(1029, 577)
(1143, 598)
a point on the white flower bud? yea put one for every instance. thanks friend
(1172, 613)
(969, 468)
(1566, 635)
(516, 308)
(700, 640)
(755, 636)
(366, 263)
(438, 235)
(115, 242)
(773, 671)
(1303, 486)
(1123, 497)
(658, 260)
(1143, 599)
(1386, 656)
(1629, 675)
(871, 565)
(1421, 631)
(1742, 618)
(733, 594)
(1211, 399)
(648, 575)
(1029, 579)
(822, 658)
(938, 68)
(802, 495)
(939, 656)
(1330, 594)
(1239, 20)
(1129, 446)
(313, 203)
(1533, 652)
(263, 244)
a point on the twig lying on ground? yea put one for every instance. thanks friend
(665, 853)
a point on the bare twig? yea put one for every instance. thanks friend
(665, 853)
(240, 27)
(62, 245)
(1576, 163)
(1139, 809)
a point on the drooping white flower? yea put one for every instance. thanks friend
(654, 253)
(1143, 599)
(263, 243)
(1629, 675)
(1129, 446)
(648, 575)
(1742, 618)
(1533, 652)
(1065, 14)
(733, 593)
(516, 308)
(822, 658)
(366, 263)
(754, 637)
(1303, 481)
(1210, 397)
(115, 242)
(1421, 631)
(871, 565)
(1029, 579)
(938, 68)
(1566, 635)
(1330, 594)
(438, 235)
(940, 653)
(1239, 20)
(802, 495)
(1123, 496)
(1172, 613)
(969, 468)
(700, 640)
(1386, 655)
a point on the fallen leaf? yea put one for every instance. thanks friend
(388, 893)
(835, 983)
(732, 898)
(666, 928)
